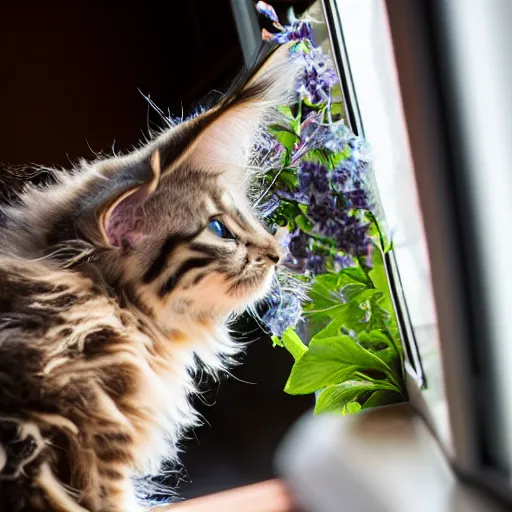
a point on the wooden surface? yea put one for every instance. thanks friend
(270, 496)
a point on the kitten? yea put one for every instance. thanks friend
(116, 283)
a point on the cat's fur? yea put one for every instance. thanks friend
(113, 290)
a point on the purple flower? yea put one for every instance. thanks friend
(315, 135)
(297, 196)
(324, 213)
(316, 264)
(300, 257)
(270, 206)
(268, 11)
(269, 150)
(339, 137)
(284, 237)
(339, 178)
(298, 244)
(357, 198)
(342, 261)
(310, 126)
(284, 311)
(313, 178)
(312, 135)
(297, 31)
(352, 236)
(318, 77)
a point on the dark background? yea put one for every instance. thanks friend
(70, 75)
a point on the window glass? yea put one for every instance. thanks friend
(372, 71)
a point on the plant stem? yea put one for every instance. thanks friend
(366, 269)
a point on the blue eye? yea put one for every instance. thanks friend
(219, 229)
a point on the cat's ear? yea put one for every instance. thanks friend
(227, 142)
(222, 138)
(121, 221)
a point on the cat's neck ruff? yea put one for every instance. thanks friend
(193, 345)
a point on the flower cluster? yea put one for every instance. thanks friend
(318, 78)
(297, 31)
(316, 193)
(317, 186)
(284, 310)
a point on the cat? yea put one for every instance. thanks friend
(117, 282)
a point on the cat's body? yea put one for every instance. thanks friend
(116, 284)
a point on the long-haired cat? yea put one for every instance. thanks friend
(116, 283)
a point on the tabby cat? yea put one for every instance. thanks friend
(116, 283)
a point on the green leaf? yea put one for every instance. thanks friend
(383, 397)
(378, 273)
(375, 339)
(286, 138)
(376, 232)
(337, 110)
(303, 223)
(289, 178)
(286, 111)
(321, 156)
(293, 343)
(330, 361)
(351, 291)
(377, 316)
(332, 329)
(326, 290)
(353, 314)
(335, 398)
(356, 274)
(383, 310)
(284, 212)
(379, 343)
(351, 408)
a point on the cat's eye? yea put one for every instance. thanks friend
(219, 229)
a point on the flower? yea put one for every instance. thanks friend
(339, 137)
(316, 175)
(315, 134)
(268, 208)
(339, 178)
(352, 236)
(318, 78)
(325, 203)
(342, 261)
(268, 11)
(297, 31)
(295, 196)
(357, 198)
(284, 311)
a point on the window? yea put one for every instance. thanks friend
(372, 89)
(428, 84)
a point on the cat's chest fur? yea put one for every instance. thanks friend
(112, 382)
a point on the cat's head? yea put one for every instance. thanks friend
(173, 221)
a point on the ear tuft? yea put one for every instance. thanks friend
(228, 141)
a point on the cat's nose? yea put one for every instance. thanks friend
(274, 257)
(274, 252)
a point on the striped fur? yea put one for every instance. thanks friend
(113, 288)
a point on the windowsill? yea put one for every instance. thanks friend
(381, 460)
(270, 496)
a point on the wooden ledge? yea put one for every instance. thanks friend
(270, 496)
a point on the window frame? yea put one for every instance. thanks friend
(419, 32)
